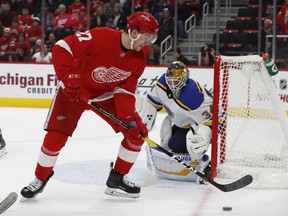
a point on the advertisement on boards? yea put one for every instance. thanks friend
(33, 85)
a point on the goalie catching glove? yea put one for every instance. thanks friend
(71, 87)
(197, 141)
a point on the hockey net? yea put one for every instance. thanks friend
(250, 125)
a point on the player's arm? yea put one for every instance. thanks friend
(124, 97)
(65, 53)
(198, 138)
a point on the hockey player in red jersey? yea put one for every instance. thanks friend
(103, 65)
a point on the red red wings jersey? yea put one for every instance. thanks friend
(102, 64)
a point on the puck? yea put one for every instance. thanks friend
(227, 208)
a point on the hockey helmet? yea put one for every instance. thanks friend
(145, 22)
(177, 76)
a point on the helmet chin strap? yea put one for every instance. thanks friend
(132, 40)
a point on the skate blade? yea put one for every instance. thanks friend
(3, 152)
(25, 199)
(115, 192)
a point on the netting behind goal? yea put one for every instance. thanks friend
(249, 124)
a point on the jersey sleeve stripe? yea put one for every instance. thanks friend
(64, 45)
(160, 85)
(154, 103)
(182, 105)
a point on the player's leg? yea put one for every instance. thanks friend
(60, 123)
(118, 182)
(177, 143)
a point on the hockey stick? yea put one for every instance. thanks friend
(8, 201)
(240, 183)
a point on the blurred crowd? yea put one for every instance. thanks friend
(21, 23)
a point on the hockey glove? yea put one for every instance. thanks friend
(72, 87)
(197, 142)
(137, 130)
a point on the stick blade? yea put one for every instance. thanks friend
(240, 183)
(8, 201)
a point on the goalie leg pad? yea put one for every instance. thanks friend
(166, 132)
(168, 168)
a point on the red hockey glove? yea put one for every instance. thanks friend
(142, 127)
(137, 131)
(133, 135)
(72, 87)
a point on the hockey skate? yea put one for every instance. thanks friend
(3, 150)
(117, 181)
(35, 187)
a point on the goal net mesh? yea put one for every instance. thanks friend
(251, 133)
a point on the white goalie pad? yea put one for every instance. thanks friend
(146, 111)
(166, 131)
(168, 168)
(198, 142)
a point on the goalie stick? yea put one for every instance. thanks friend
(240, 183)
(8, 201)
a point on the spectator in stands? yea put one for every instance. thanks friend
(119, 20)
(98, 18)
(207, 55)
(157, 7)
(184, 12)
(7, 45)
(22, 42)
(76, 7)
(48, 19)
(1, 29)
(108, 9)
(180, 57)
(16, 6)
(126, 7)
(45, 57)
(94, 5)
(109, 23)
(34, 32)
(140, 4)
(25, 19)
(36, 47)
(7, 15)
(166, 28)
(269, 12)
(282, 17)
(15, 28)
(61, 23)
(73, 22)
(21, 55)
(34, 7)
(83, 20)
(51, 41)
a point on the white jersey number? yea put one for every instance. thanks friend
(84, 36)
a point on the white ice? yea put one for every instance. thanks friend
(77, 188)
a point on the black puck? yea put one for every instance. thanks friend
(227, 208)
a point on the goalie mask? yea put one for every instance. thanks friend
(177, 76)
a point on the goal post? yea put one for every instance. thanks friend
(249, 134)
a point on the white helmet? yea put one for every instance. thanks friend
(177, 76)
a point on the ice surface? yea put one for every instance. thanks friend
(77, 188)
